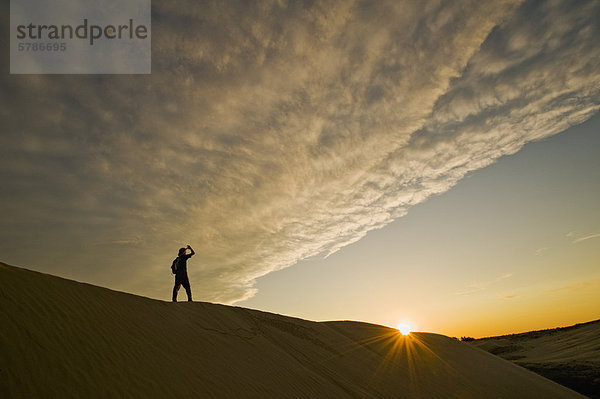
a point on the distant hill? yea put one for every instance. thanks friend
(64, 339)
(567, 355)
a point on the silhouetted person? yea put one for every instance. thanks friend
(181, 276)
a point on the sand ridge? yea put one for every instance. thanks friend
(61, 339)
(567, 355)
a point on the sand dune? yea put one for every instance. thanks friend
(62, 339)
(569, 355)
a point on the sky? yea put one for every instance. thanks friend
(330, 160)
(512, 247)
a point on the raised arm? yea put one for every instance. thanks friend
(190, 248)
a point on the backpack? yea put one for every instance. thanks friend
(174, 266)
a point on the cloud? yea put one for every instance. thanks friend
(541, 251)
(588, 237)
(273, 132)
(481, 286)
(579, 286)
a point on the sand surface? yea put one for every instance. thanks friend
(570, 355)
(63, 339)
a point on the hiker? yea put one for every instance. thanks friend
(180, 270)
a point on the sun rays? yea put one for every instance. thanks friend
(406, 356)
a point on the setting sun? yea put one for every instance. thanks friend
(404, 328)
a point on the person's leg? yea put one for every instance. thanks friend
(188, 289)
(175, 289)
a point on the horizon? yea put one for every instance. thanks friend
(405, 332)
(421, 163)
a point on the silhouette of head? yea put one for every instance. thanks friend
(181, 251)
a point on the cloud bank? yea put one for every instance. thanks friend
(272, 132)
